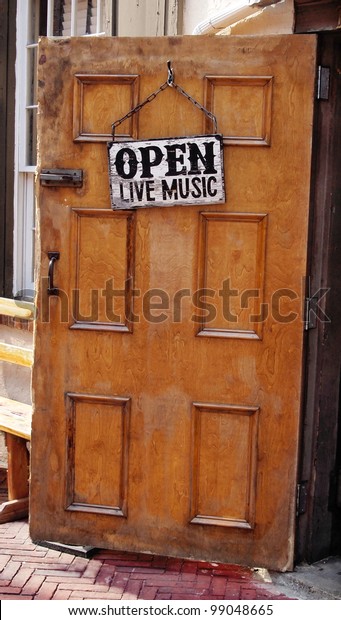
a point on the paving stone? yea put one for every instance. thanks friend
(69, 580)
(29, 571)
(189, 567)
(105, 575)
(188, 576)
(218, 585)
(9, 590)
(39, 565)
(61, 595)
(3, 560)
(148, 593)
(46, 591)
(61, 573)
(92, 569)
(10, 570)
(84, 587)
(132, 590)
(95, 595)
(116, 591)
(15, 597)
(21, 577)
(33, 584)
(22, 551)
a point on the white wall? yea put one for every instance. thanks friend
(147, 18)
(195, 12)
(276, 19)
(140, 18)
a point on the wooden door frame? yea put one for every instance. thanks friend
(316, 535)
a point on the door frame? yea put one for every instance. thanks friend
(317, 535)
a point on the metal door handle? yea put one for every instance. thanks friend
(53, 256)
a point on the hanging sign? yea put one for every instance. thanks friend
(167, 172)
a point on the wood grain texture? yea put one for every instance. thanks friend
(102, 255)
(16, 308)
(317, 15)
(162, 366)
(224, 452)
(249, 103)
(16, 355)
(18, 467)
(14, 510)
(15, 417)
(232, 272)
(92, 117)
(97, 459)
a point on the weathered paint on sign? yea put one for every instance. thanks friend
(166, 172)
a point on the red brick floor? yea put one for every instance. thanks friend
(30, 571)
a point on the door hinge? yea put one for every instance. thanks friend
(323, 82)
(301, 497)
(310, 313)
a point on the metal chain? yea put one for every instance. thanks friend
(169, 82)
(138, 107)
(211, 116)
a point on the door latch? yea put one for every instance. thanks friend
(61, 177)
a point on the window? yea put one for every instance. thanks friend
(61, 18)
(38, 18)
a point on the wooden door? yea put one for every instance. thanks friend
(167, 374)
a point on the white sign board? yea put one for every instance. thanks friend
(167, 172)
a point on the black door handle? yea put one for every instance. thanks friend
(52, 290)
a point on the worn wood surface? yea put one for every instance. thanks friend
(317, 15)
(18, 463)
(319, 528)
(16, 355)
(14, 510)
(15, 417)
(203, 461)
(16, 308)
(15, 422)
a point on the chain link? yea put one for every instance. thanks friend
(138, 107)
(211, 116)
(170, 82)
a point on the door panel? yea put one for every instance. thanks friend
(224, 440)
(167, 374)
(97, 484)
(102, 253)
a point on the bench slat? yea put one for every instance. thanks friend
(15, 418)
(16, 355)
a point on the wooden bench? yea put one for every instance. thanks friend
(15, 421)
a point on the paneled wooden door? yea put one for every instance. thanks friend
(168, 370)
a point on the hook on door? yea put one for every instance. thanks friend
(53, 256)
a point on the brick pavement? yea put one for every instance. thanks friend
(29, 571)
